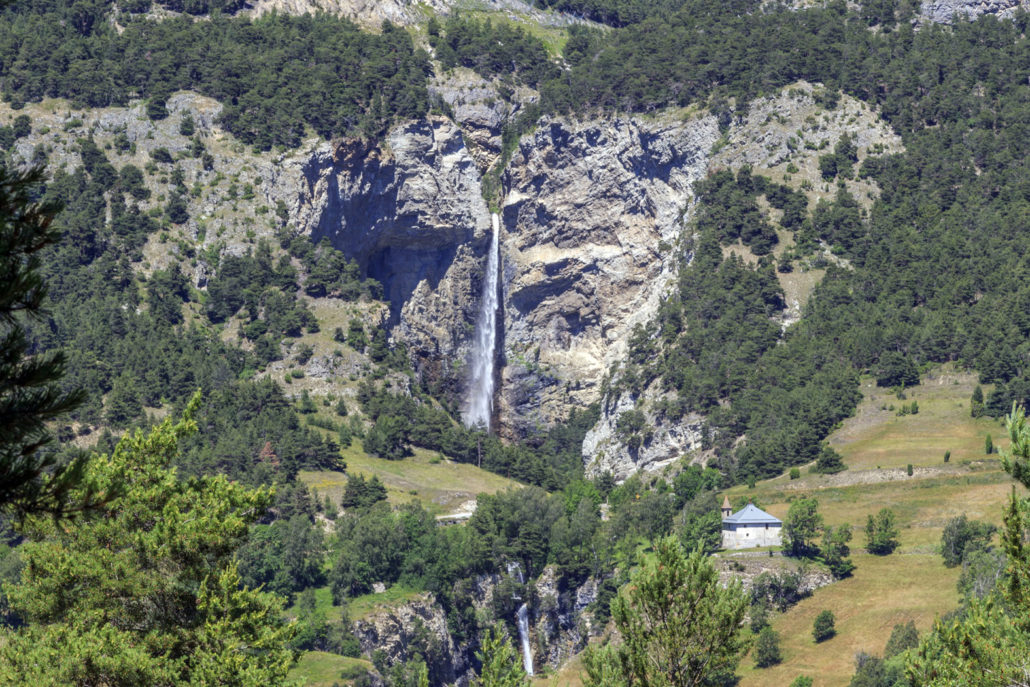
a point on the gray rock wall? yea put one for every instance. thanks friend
(592, 213)
(411, 212)
(944, 11)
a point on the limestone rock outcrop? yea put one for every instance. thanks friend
(418, 626)
(372, 13)
(668, 440)
(944, 11)
(592, 213)
(411, 212)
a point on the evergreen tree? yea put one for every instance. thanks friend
(502, 665)
(356, 337)
(31, 392)
(146, 591)
(679, 626)
(903, 637)
(829, 461)
(767, 648)
(976, 403)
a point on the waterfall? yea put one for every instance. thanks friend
(480, 404)
(527, 657)
(514, 569)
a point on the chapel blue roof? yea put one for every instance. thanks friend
(752, 515)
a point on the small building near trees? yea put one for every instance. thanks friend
(749, 527)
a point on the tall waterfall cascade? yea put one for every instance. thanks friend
(480, 403)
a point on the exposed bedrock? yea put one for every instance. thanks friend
(945, 11)
(411, 212)
(591, 217)
(592, 212)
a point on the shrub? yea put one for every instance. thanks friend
(962, 537)
(881, 533)
(823, 627)
(767, 648)
(903, 636)
(795, 473)
(161, 155)
(801, 681)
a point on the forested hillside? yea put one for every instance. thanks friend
(167, 304)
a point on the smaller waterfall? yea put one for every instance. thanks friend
(515, 570)
(480, 404)
(527, 656)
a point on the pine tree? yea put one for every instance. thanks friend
(976, 403)
(678, 624)
(502, 666)
(767, 648)
(146, 592)
(31, 393)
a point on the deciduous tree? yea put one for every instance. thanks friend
(802, 526)
(881, 533)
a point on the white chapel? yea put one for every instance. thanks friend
(749, 527)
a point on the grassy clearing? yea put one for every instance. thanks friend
(912, 583)
(365, 605)
(884, 591)
(320, 669)
(440, 485)
(553, 37)
(878, 437)
(358, 607)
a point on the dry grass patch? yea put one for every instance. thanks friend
(875, 437)
(440, 485)
(884, 591)
(912, 583)
(321, 669)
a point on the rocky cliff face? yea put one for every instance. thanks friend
(559, 626)
(603, 451)
(372, 13)
(411, 212)
(944, 11)
(592, 213)
(416, 627)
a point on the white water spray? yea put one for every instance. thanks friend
(480, 404)
(523, 620)
(527, 657)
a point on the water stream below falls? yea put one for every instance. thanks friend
(480, 404)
